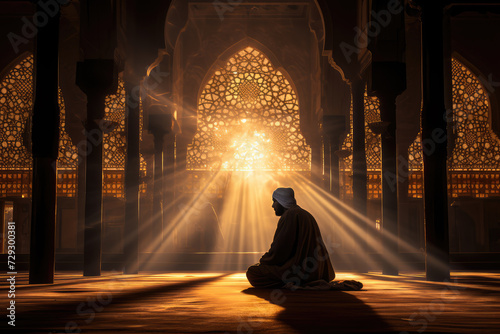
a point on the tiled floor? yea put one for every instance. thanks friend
(224, 302)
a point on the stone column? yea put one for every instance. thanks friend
(334, 127)
(434, 141)
(389, 181)
(132, 176)
(160, 124)
(388, 81)
(316, 161)
(326, 160)
(45, 138)
(359, 173)
(169, 181)
(96, 79)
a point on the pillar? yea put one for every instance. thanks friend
(169, 182)
(435, 141)
(316, 161)
(160, 124)
(389, 182)
(326, 161)
(158, 185)
(388, 81)
(132, 177)
(334, 127)
(45, 139)
(95, 77)
(359, 174)
(81, 201)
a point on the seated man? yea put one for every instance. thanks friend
(297, 254)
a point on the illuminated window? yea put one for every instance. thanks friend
(114, 141)
(248, 119)
(373, 149)
(476, 146)
(114, 144)
(16, 104)
(474, 167)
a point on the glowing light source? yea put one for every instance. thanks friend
(253, 101)
(248, 152)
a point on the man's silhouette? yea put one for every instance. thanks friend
(297, 255)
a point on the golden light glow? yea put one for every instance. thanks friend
(248, 151)
(248, 119)
(474, 166)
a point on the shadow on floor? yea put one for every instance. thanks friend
(309, 311)
(48, 315)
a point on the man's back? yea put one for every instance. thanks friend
(297, 254)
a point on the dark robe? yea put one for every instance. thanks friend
(297, 254)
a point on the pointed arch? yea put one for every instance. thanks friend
(485, 80)
(240, 45)
(248, 117)
(474, 165)
(16, 104)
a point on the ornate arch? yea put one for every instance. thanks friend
(373, 147)
(248, 118)
(16, 104)
(474, 167)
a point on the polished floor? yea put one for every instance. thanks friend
(199, 302)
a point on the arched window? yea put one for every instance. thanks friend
(373, 147)
(474, 165)
(248, 119)
(114, 143)
(16, 104)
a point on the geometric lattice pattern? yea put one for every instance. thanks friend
(474, 166)
(373, 144)
(114, 141)
(68, 153)
(476, 146)
(373, 147)
(248, 119)
(16, 103)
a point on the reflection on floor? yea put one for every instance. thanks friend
(224, 302)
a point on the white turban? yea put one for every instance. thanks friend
(285, 197)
